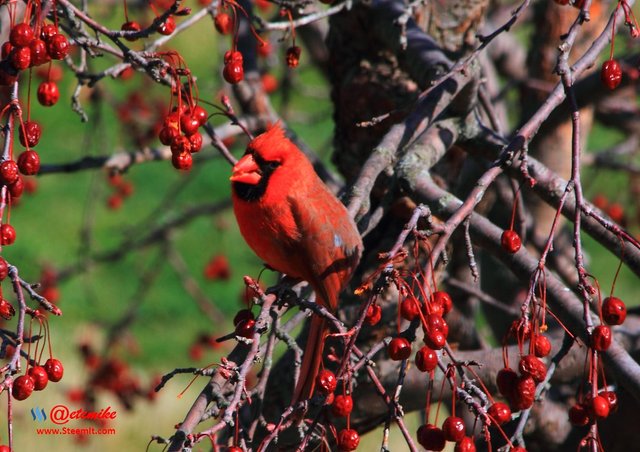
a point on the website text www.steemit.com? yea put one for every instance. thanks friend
(76, 431)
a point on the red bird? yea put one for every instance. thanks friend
(297, 226)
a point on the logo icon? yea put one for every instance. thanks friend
(38, 414)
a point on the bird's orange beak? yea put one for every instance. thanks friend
(246, 171)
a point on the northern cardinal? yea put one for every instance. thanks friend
(297, 226)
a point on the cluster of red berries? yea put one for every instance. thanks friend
(615, 210)
(29, 46)
(432, 437)
(165, 27)
(6, 309)
(122, 189)
(36, 378)
(180, 131)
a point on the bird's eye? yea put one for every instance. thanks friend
(272, 165)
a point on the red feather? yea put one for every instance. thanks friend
(297, 226)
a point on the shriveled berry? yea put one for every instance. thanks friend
(523, 394)
(510, 241)
(374, 314)
(348, 440)
(342, 405)
(426, 359)
(20, 58)
(29, 163)
(601, 338)
(180, 144)
(499, 412)
(22, 387)
(399, 348)
(4, 268)
(611, 74)
(58, 46)
(39, 376)
(431, 437)
(39, 55)
(578, 415)
(6, 309)
(54, 369)
(7, 234)
(196, 142)
(30, 134)
(533, 367)
(168, 134)
(293, 56)
(182, 161)
(326, 381)
(453, 429)
(48, 31)
(541, 345)
(8, 172)
(614, 311)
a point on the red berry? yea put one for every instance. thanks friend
(4, 268)
(7, 234)
(39, 55)
(499, 413)
(168, 134)
(200, 114)
(196, 142)
(541, 345)
(114, 202)
(22, 387)
(399, 348)
(465, 445)
(409, 308)
(348, 440)
(453, 429)
(132, 25)
(6, 50)
(58, 46)
(30, 134)
(614, 311)
(435, 339)
(326, 381)
(293, 56)
(578, 415)
(342, 405)
(510, 241)
(611, 74)
(234, 449)
(29, 163)
(6, 309)
(181, 144)
(48, 31)
(269, 83)
(223, 23)
(20, 58)
(245, 328)
(426, 359)
(167, 27)
(48, 93)
(243, 314)
(431, 437)
(523, 394)
(533, 367)
(5, 448)
(374, 314)
(601, 338)
(21, 35)
(39, 376)
(233, 71)
(443, 298)
(54, 369)
(188, 124)
(16, 188)
(8, 172)
(600, 407)
(616, 212)
(182, 161)
(435, 322)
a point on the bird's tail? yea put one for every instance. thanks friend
(311, 360)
